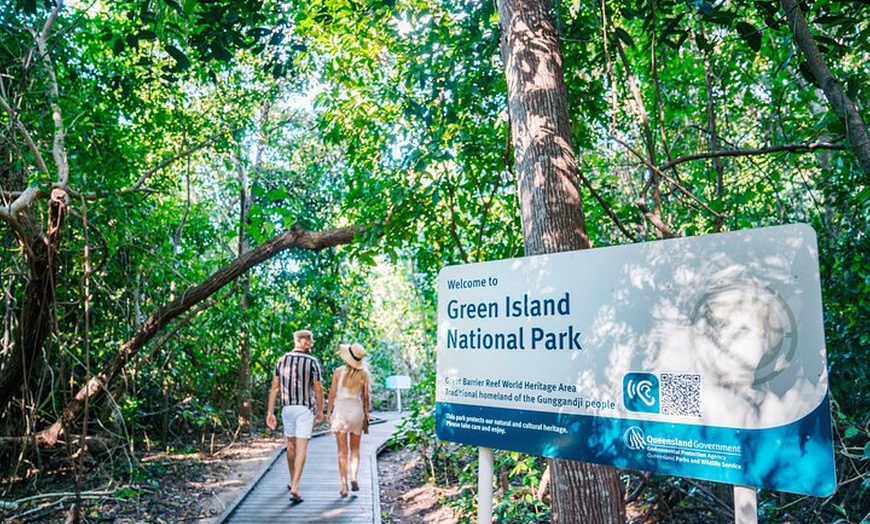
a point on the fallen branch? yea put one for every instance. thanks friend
(15, 504)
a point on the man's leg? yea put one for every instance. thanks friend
(298, 463)
(291, 460)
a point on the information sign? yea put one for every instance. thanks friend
(700, 357)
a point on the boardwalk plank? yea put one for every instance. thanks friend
(268, 500)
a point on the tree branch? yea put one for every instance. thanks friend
(166, 162)
(791, 148)
(856, 131)
(295, 238)
(666, 177)
(58, 147)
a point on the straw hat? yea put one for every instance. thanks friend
(352, 354)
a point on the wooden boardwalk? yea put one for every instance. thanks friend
(267, 500)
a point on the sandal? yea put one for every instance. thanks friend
(354, 486)
(295, 498)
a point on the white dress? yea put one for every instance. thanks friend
(348, 414)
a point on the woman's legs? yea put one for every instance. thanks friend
(354, 459)
(341, 440)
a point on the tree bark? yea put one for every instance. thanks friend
(295, 238)
(551, 207)
(856, 130)
(546, 168)
(245, 288)
(39, 296)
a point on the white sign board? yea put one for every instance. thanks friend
(398, 382)
(700, 357)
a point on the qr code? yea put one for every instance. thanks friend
(681, 394)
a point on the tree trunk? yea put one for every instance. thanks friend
(245, 203)
(551, 207)
(546, 169)
(245, 289)
(856, 130)
(295, 238)
(36, 313)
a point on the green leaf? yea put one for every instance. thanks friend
(866, 451)
(750, 35)
(367, 259)
(625, 37)
(277, 194)
(850, 432)
(29, 6)
(220, 52)
(181, 60)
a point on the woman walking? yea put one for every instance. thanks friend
(348, 411)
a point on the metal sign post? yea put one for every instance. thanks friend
(398, 383)
(745, 505)
(485, 469)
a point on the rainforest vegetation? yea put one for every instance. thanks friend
(184, 183)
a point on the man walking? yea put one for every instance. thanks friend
(298, 380)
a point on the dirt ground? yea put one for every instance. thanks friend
(406, 497)
(230, 474)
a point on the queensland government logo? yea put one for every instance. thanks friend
(634, 438)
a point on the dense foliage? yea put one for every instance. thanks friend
(193, 131)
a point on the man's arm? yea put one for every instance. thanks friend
(270, 407)
(318, 392)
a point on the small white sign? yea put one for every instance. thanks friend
(398, 382)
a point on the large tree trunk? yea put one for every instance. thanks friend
(856, 130)
(38, 307)
(552, 211)
(295, 238)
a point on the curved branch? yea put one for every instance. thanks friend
(295, 238)
(666, 177)
(177, 156)
(656, 220)
(791, 148)
(31, 144)
(58, 148)
(608, 210)
(856, 131)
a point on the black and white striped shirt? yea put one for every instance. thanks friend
(297, 372)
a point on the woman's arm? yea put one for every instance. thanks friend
(330, 402)
(366, 394)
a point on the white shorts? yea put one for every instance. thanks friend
(298, 421)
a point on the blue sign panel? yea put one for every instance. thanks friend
(699, 357)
